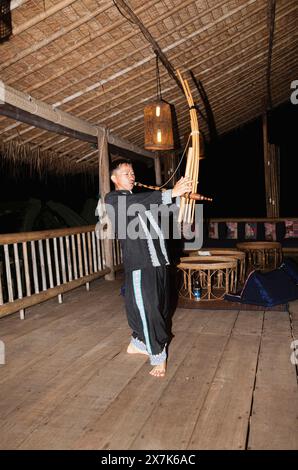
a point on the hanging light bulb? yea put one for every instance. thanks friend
(158, 122)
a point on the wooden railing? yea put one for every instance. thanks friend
(36, 266)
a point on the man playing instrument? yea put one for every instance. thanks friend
(145, 262)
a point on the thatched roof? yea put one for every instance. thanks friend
(85, 58)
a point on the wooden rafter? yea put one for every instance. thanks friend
(100, 69)
(42, 16)
(18, 105)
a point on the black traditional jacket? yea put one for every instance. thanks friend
(135, 224)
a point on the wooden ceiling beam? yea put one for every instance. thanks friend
(16, 3)
(71, 108)
(121, 4)
(218, 78)
(18, 114)
(214, 83)
(181, 40)
(223, 122)
(37, 45)
(18, 105)
(65, 52)
(109, 64)
(42, 16)
(213, 53)
(127, 37)
(221, 113)
(164, 50)
(82, 62)
(137, 127)
(271, 26)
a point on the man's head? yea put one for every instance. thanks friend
(122, 174)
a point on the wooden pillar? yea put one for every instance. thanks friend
(271, 171)
(275, 178)
(266, 166)
(105, 187)
(157, 169)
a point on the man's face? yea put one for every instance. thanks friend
(124, 177)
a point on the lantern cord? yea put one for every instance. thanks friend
(183, 154)
(158, 86)
(121, 13)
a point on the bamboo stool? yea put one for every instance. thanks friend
(240, 256)
(208, 270)
(262, 255)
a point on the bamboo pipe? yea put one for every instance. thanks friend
(192, 196)
(186, 213)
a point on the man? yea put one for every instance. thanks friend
(145, 262)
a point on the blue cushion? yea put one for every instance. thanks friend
(291, 269)
(266, 289)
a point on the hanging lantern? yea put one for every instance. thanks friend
(158, 121)
(158, 126)
(5, 20)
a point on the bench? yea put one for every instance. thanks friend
(227, 232)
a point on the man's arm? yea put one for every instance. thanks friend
(144, 198)
(151, 197)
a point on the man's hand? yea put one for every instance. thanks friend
(182, 186)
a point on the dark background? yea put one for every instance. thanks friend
(233, 171)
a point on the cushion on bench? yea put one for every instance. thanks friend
(266, 289)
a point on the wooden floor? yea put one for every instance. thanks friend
(69, 384)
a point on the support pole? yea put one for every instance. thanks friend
(105, 187)
(157, 169)
(271, 172)
(274, 157)
(267, 164)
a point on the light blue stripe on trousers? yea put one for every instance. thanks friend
(136, 280)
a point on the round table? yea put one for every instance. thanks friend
(230, 252)
(217, 276)
(262, 255)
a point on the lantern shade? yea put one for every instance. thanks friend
(158, 126)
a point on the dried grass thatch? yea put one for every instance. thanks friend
(85, 58)
(38, 161)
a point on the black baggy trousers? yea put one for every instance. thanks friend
(147, 308)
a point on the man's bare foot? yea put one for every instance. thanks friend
(159, 370)
(132, 349)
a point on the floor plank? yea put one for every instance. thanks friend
(275, 411)
(174, 416)
(223, 420)
(68, 382)
(122, 422)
